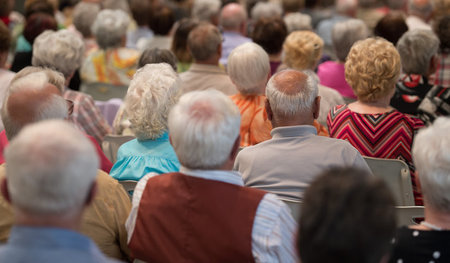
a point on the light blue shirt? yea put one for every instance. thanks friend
(138, 158)
(45, 244)
(230, 41)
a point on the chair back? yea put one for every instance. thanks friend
(294, 205)
(111, 144)
(104, 91)
(409, 215)
(397, 176)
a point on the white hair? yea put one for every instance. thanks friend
(84, 15)
(110, 27)
(416, 48)
(346, 6)
(203, 127)
(291, 104)
(248, 68)
(59, 50)
(297, 21)
(53, 108)
(345, 34)
(153, 91)
(50, 168)
(205, 9)
(266, 10)
(432, 159)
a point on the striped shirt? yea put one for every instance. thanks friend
(274, 229)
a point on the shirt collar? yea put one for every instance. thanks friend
(231, 177)
(293, 131)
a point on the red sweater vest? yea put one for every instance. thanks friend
(188, 219)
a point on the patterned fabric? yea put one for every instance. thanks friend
(442, 76)
(435, 104)
(386, 135)
(409, 93)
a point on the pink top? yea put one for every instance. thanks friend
(332, 74)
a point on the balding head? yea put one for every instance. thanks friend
(292, 98)
(233, 17)
(205, 43)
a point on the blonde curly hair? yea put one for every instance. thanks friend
(302, 50)
(372, 69)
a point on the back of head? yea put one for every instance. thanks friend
(270, 33)
(156, 55)
(204, 126)
(153, 91)
(346, 7)
(110, 27)
(84, 15)
(121, 5)
(347, 216)
(345, 34)
(232, 16)
(432, 160)
(391, 27)
(297, 21)
(38, 23)
(179, 40)
(162, 20)
(421, 8)
(65, 54)
(51, 168)
(249, 68)
(302, 50)
(291, 6)
(204, 41)
(291, 92)
(266, 10)
(442, 30)
(38, 6)
(205, 10)
(141, 10)
(416, 48)
(372, 68)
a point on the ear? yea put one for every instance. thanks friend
(4, 190)
(92, 193)
(235, 149)
(268, 110)
(316, 107)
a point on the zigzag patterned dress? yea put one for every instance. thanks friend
(385, 135)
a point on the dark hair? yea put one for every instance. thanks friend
(5, 38)
(179, 40)
(270, 33)
(141, 10)
(156, 55)
(38, 23)
(38, 6)
(162, 20)
(347, 216)
(5, 7)
(391, 27)
(442, 30)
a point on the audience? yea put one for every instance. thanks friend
(141, 10)
(207, 11)
(287, 163)
(391, 27)
(179, 43)
(161, 22)
(266, 10)
(203, 213)
(429, 241)
(84, 15)
(5, 75)
(297, 21)
(347, 216)
(419, 14)
(370, 124)
(205, 45)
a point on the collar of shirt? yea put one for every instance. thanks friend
(206, 68)
(293, 131)
(231, 177)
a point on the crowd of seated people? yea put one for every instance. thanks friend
(253, 122)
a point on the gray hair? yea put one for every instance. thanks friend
(232, 19)
(54, 77)
(432, 159)
(110, 27)
(51, 168)
(58, 50)
(203, 41)
(297, 21)
(291, 104)
(416, 49)
(204, 126)
(420, 8)
(84, 15)
(266, 10)
(248, 68)
(205, 9)
(153, 91)
(345, 34)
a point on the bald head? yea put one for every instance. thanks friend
(233, 17)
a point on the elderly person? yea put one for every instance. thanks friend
(302, 51)
(207, 10)
(152, 93)
(273, 165)
(84, 15)
(419, 14)
(297, 21)
(161, 22)
(429, 240)
(141, 10)
(85, 114)
(370, 124)
(347, 216)
(204, 213)
(179, 43)
(418, 49)
(332, 73)
(205, 45)
(266, 10)
(112, 63)
(391, 27)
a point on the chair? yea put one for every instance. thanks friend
(109, 108)
(129, 186)
(294, 205)
(104, 91)
(111, 144)
(396, 175)
(409, 215)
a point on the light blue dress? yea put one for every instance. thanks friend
(138, 158)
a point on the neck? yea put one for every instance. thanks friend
(275, 57)
(437, 217)
(379, 106)
(286, 121)
(67, 221)
(211, 61)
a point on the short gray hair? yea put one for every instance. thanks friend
(424, 8)
(416, 48)
(432, 159)
(345, 34)
(204, 40)
(84, 15)
(110, 27)
(266, 10)
(58, 50)
(51, 168)
(248, 68)
(205, 9)
(203, 128)
(297, 21)
(153, 91)
(291, 104)
(232, 20)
